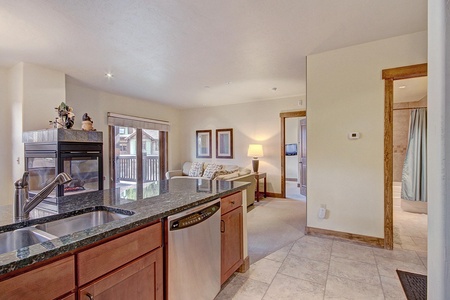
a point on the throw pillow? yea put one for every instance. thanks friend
(211, 171)
(196, 169)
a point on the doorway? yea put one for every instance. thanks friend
(295, 158)
(409, 119)
(293, 132)
(389, 76)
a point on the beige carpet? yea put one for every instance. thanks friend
(272, 224)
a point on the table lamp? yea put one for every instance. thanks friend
(255, 151)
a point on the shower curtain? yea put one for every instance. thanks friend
(414, 175)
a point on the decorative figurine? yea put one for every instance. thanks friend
(87, 123)
(66, 117)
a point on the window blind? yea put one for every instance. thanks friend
(137, 122)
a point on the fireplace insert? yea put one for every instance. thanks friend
(83, 161)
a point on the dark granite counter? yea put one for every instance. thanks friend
(149, 203)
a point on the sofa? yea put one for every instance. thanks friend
(213, 171)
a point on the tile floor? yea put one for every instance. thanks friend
(293, 192)
(326, 268)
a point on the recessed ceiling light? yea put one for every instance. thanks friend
(402, 87)
(109, 75)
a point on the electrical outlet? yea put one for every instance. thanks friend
(322, 211)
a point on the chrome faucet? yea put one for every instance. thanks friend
(23, 205)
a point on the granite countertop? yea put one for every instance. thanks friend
(149, 202)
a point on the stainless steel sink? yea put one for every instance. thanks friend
(23, 237)
(80, 222)
(36, 234)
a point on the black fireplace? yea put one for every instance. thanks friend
(82, 160)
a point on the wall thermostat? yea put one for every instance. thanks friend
(354, 135)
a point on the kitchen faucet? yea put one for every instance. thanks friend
(23, 205)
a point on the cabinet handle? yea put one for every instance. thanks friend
(222, 226)
(89, 296)
(232, 202)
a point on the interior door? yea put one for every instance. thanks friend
(302, 157)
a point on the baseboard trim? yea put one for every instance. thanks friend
(363, 239)
(245, 265)
(273, 195)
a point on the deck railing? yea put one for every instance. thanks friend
(126, 168)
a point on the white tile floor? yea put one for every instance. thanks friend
(326, 268)
(293, 192)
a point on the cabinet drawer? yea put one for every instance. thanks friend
(231, 202)
(106, 257)
(140, 279)
(47, 282)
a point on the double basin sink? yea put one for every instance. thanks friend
(36, 234)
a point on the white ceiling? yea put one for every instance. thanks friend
(193, 53)
(410, 90)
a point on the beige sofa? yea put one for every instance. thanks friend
(228, 172)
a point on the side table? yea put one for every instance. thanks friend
(258, 176)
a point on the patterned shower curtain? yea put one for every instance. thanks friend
(414, 175)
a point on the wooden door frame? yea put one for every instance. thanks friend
(283, 116)
(389, 75)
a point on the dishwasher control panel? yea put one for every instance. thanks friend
(195, 217)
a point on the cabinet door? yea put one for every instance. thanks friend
(231, 229)
(47, 282)
(98, 261)
(70, 297)
(140, 279)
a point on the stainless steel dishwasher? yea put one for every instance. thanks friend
(193, 242)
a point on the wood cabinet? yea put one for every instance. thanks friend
(140, 279)
(69, 297)
(231, 228)
(47, 282)
(129, 267)
(99, 260)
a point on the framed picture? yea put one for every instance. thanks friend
(203, 142)
(224, 143)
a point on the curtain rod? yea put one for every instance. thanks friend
(115, 115)
(403, 108)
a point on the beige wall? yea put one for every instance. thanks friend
(15, 99)
(6, 161)
(346, 94)
(438, 149)
(97, 104)
(32, 92)
(43, 90)
(255, 122)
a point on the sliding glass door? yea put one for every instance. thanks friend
(139, 161)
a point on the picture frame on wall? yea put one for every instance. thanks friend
(224, 143)
(203, 143)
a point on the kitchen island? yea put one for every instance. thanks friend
(148, 205)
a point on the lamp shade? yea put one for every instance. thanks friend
(255, 150)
